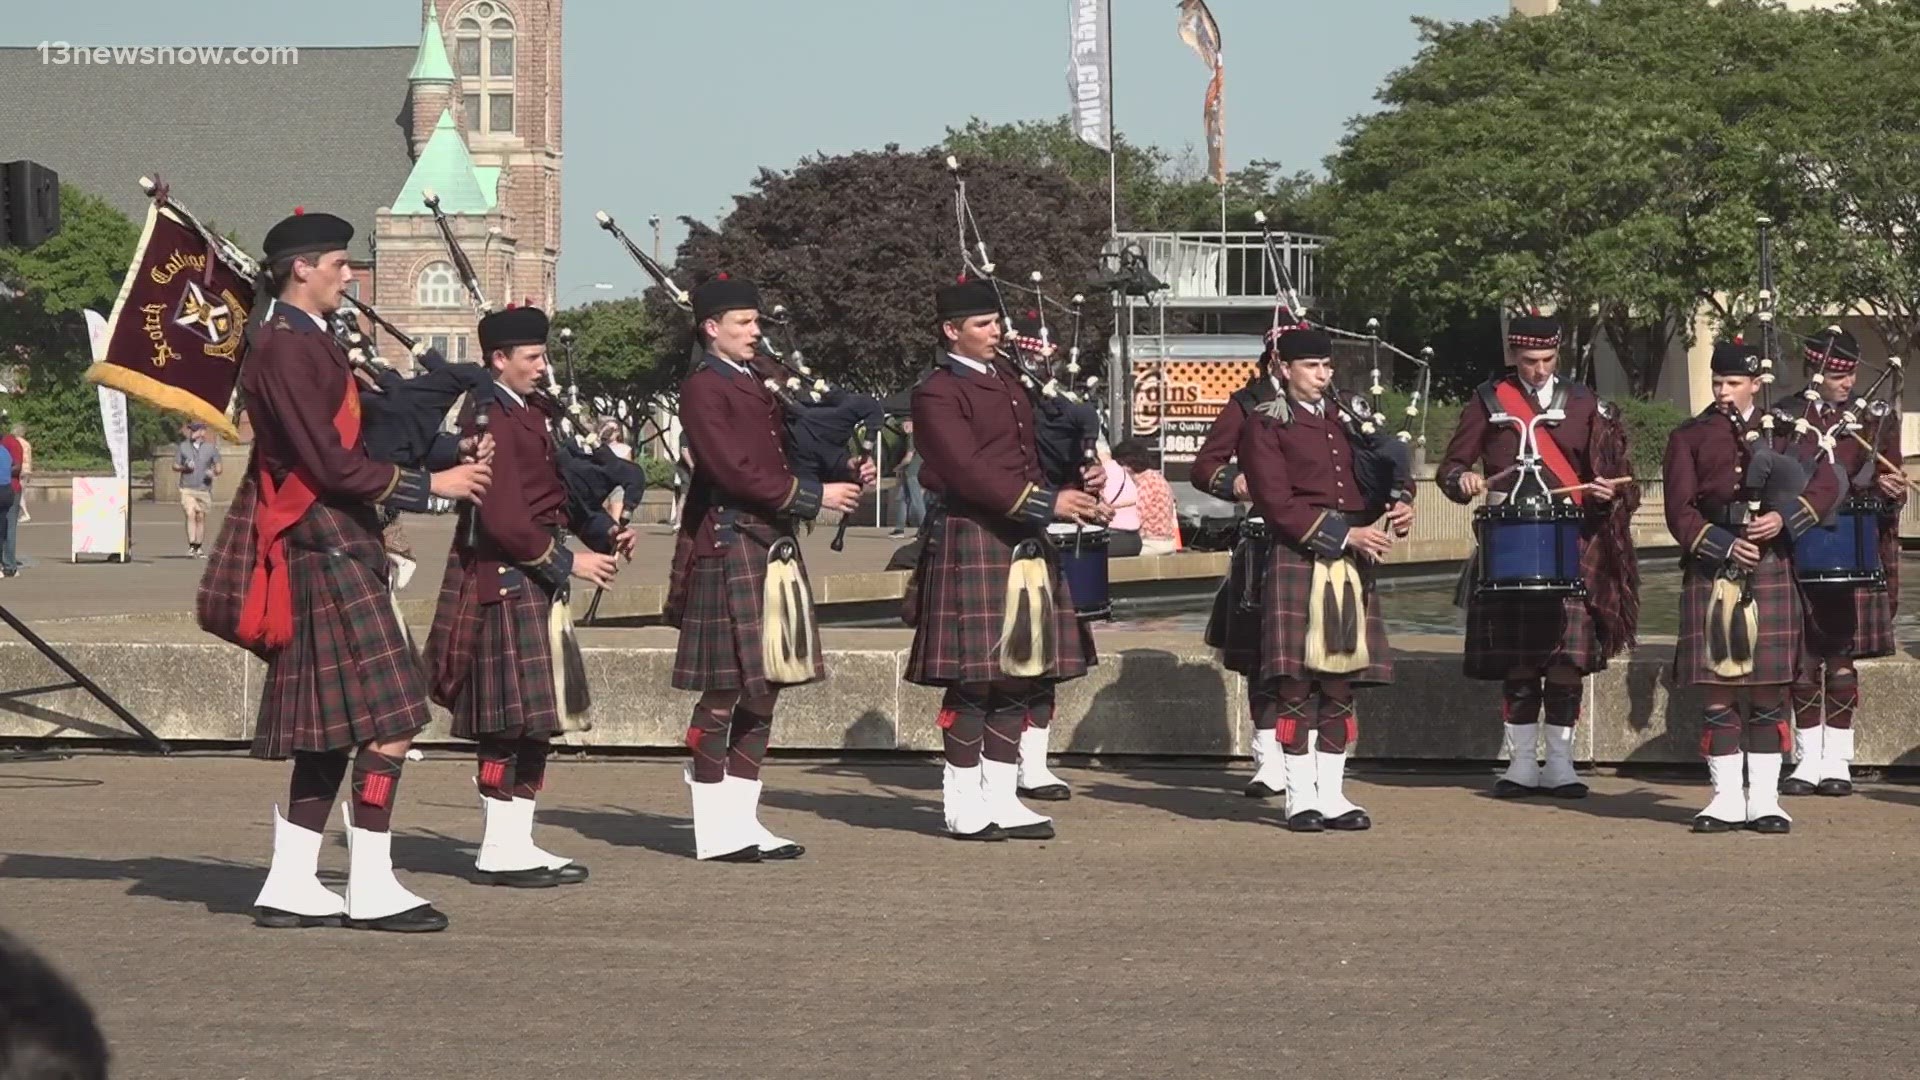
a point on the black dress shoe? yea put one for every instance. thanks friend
(1307, 821)
(421, 920)
(275, 919)
(1772, 825)
(750, 853)
(533, 877)
(1795, 786)
(1504, 788)
(782, 853)
(1575, 790)
(1258, 790)
(1355, 820)
(1047, 792)
(1705, 824)
(991, 832)
(1040, 830)
(571, 874)
(1835, 787)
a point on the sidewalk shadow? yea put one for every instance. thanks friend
(895, 806)
(1640, 803)
(624, 827)
(1195, 794)
(216, 885)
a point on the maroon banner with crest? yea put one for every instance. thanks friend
(175, 337)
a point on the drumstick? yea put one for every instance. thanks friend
(1581, 487)
(1882, 459)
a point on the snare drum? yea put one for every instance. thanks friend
(1845, 553)
(1529, 548)
(1083, 562)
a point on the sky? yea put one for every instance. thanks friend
(671, 108)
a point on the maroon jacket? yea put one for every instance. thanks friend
(526, 503)
(294, 379)
(1214, 469)
(1704, 474)
(1497, 446)
(1299, 470)
(975, 436)
(1852, 458)
(737, 434)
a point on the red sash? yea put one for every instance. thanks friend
(1522, 405)
(266, 617)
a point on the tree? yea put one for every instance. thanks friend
(1608, 161)
(854, 246)
(614, 357)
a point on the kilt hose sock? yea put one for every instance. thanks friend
(1336, 722)
(707, 737)
(1520, 701)
(963, 723)
(1561, 702)
(1836, 694)
(1007, 711)
(1034, 699)
(376, 784)
(747, 742)
(1263, 703)
(1767, 729)
(1843, 696)
(1296, 721)
(1293, 721)
(512, 768)
(1722, 734)
(316, 780)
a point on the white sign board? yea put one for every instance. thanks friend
(99, 516)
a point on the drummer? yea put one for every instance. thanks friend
(1234, 626)
(1740, 616)
(1540, 645)
(1844, 622)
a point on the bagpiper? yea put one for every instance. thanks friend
(1844, 622)
(1233, 627)
(991, 611)
(301, 551)
(1541, 648)
(1733, 504)
(1321, 631)
(739, 593)
(499, 653)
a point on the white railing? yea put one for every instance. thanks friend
(1227, 269)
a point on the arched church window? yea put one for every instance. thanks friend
(439, 287)
(485, 41)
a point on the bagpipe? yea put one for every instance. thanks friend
(1382, 460)
(590, 471)
(822, 421)
(1066, 440)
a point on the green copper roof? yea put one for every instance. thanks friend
(445, 167)
(489, 183)
(431, 65)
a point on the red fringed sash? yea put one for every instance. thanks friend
(266, 619)
(1522, 406)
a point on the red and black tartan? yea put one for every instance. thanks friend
(717, 606)
(1283, 627)
(1776, 650)
(958, 603)
(1515, 630)
(491, 665)
(349, 676)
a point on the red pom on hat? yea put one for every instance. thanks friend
(1739, 339)
(299, 210)
(961, 280)
(721, 276)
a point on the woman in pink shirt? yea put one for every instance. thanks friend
(1152, 514)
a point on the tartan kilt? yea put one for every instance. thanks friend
(1236, 633)
(717, 605)
(1847, 622)
(491, 665)
(1777, 648)
(1535, 632)
(349, 676)
(1283, 625)
(959, 601)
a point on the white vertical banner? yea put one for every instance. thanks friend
(1090, 72)
(113, 403)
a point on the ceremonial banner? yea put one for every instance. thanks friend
(1090, 72)
(1199, 30)
(175, 336)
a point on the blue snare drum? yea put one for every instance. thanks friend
(1845, 553)
(1083, 562)
(1529, 548)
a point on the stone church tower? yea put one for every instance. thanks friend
(483, 119)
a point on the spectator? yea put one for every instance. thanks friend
(26, 469)
(1123, 495)
(615, 440)
(912, 498)
(1159, 525)
(47, 1029)
(16, 459)
(197, 460)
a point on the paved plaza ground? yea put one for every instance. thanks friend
(1171, 931)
